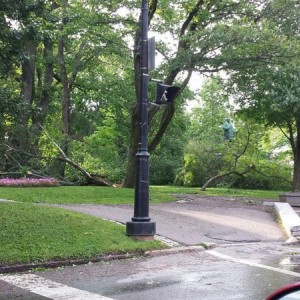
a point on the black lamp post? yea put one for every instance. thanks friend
(140, 226)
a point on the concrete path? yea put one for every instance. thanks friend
(194, 220)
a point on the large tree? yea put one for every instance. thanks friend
(69, 60)
(270, 93)
(206, 36)
(271, 96)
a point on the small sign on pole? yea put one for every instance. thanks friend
(151, 54)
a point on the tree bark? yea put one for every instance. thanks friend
(22, 138)
(27, 78)
(296, 153)
(66, 102)
(44, 85)
(129, 179)
(67, 85)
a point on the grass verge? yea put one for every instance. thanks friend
(261, 194)
(108, 195)
(36, 233)
(77, 195)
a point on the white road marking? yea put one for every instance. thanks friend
(252, 264)
(48, 288)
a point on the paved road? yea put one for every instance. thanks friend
(228, 272)
(249, 261)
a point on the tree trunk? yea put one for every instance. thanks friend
(67, 85)
(296, 152)
(129, 179)
(66, 102)
(44, 85)
(27, 78)
(27, 91)
(166, 118)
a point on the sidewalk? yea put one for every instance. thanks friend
(195, 219)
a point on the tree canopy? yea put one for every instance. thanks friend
(69, 74)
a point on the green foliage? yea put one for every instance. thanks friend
(272, 175)
(209, 36)
(270, 94)
(10, 106)
(206, 148)
(201, 161)
(98, 65)
(102, 152)
(207, 154)
(98, 152)
(166, 158)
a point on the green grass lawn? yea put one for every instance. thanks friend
(32, 233)
(69, 194)
(262, 194)
(109, 195)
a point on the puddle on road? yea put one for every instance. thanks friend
(290, 263)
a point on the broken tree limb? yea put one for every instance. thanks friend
(212, 179)
(233, 170)
(63, 157)
(91, 179)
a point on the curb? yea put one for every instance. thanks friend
(76, 262)
(62, 263)
(289, 219)
(176, 250)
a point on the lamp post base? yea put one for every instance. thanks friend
(141, 230)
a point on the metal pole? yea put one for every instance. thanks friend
(141, 225)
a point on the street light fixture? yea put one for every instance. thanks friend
(141, 226)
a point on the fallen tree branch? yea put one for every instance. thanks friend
(212, 179)
(63, 157)
(91, 179)
(237, 156)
